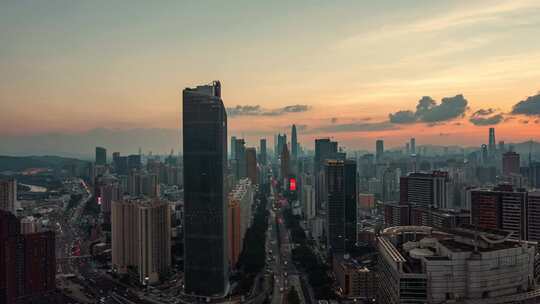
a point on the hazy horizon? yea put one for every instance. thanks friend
(158, 141)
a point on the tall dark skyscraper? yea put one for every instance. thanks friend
(262, 151)
(251, 165)
(233, 147)
(240, 165)
(115, 160)
(324, 149)
(340, 176)
(492, 146)
(101, 156)
(205, 205)
(294, 143)
(121, 166)
(379, 149)
(510, 163)
(534, 174)
(134, 162)
(281, 142)
(285, 163)
(413, 145)
(425, 189)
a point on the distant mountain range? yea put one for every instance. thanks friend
(82, 145)
(18, 163)
(522, 148)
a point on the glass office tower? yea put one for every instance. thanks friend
(205, 161)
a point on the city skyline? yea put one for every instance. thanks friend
(278, 152)
(318, 66)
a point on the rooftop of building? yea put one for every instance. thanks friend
(351, 264)
(427, 243)
(211, 89)
(339, 161)
(142, 201)
(107, 178)
(445, 212)
(240, 189)
(503, 187)
(428, 174)
(28, 219)
(456, 246)
(7, 179)
(473, 230)
(395, 204)
(535, 192)
(392, 251)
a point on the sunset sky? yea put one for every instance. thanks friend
(335, 68)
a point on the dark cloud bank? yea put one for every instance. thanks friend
(486, 117)
(530, 106)
(428, 111)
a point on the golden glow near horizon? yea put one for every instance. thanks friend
(74, 66)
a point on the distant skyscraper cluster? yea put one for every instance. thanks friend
(442, 190)
(411, 224)
(101, 156)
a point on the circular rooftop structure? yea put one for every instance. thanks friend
(418, 253)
